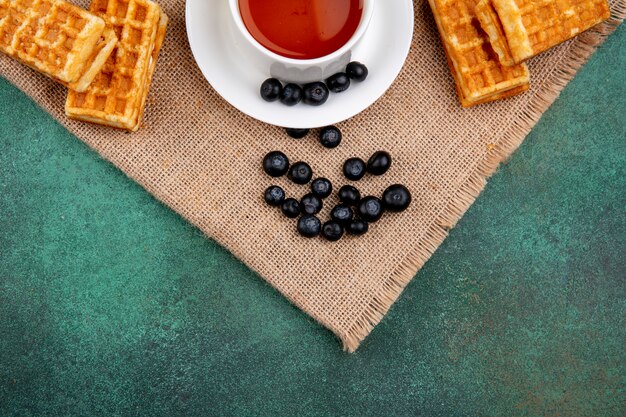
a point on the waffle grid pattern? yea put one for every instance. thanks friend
(116, 95)
(49, 35)
(475, 65)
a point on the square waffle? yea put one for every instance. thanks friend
(529, 27)
(477, 71)
(118, 94)
(51, 36)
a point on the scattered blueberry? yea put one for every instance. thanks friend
(370, 209)
(354, 169)
(309, 225)
(297, 133)
(342, 214)
(310, 204)
(315, 94)
(338, 82)
(330, 137)
(274, 195)
(379, 163)
(321, 187)
(357, 227)
(396, 198)
(276, 164)
(291, 94)
(349, 195)
(300, 173)
(291, 208)
(357, 71)
(332, 231)
(271, 89)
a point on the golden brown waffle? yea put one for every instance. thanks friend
(529, 27)
(479, 75)
(51, 36)
(117, 95)
(96, 61)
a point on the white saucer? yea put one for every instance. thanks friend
(383, 50)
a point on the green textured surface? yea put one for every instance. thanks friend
(110, 304)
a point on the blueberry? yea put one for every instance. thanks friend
(315, 94)
(332, 231)
(357, 71)
(342, 214)
(349, 195)
(271, 89)
(330, 137)
(297, 133)
(309, 225)
(321, 187)
(274, 195)
(338, 82)
(354, 169)
(300, 173)
(291, 208)
(357, 227)
(291, 94)
(310, 204)
(396, 198)
(379, 163)
(370, 209)
(276, 164)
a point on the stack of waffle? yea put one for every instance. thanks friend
(487, 41)
(118, 94)
(106, 57)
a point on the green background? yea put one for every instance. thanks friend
(111, 304)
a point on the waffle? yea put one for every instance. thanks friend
(529, 27)
(477, 71)
(51, 36)
(96, 61)
(118, 94)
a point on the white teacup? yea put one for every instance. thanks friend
(300, 71)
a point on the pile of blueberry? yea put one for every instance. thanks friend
(353, 214)
(313, 94)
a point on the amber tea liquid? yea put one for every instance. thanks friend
(301, 29)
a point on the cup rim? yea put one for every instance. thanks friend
(368, 8)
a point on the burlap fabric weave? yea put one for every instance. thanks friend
(202, 157)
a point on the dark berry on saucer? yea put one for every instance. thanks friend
(297, 133)
(291, 208)
(274, 195)
(315, 94)
(309, 225)
(396, 198)
(338, 82)
(349, 195)
(310, 204)
(271, 89)
(370, 209)
(330, 137)
(342, 214)
(321, 187)
(332, 231)
(276, 164)
(379, 163)
(291, 94)
(357, 71)
(357, 227)
(354, 169)
(300, 173)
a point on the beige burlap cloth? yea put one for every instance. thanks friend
(202, 157)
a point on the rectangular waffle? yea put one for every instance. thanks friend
(529, 27)
(51, 36)
(477, 71)
(118, 94)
